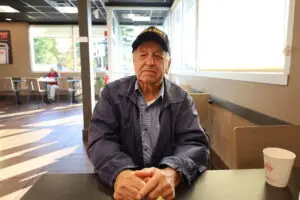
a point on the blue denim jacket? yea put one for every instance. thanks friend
(115, 143)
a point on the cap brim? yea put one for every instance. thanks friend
(149, 36)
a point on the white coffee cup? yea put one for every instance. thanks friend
(278, 164)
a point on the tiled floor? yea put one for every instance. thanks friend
(37, 141)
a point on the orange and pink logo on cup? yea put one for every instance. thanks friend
(268, 167)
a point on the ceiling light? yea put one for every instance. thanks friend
(137, 18)
(69, 10)
(8, 19)
(8, 9)
(140, 19)
(96, 13)
(131, 15)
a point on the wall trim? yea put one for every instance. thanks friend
(246, 113)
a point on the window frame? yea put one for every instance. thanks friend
(74, 37)
(278, 78)
(183, 36)
(174, 69)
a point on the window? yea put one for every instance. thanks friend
(176, 40)
(99, 49)
(52, 47)
(57, 47)
(116, 64)
(189, 35)
(99, 52)
(53, 52)
(244, 40)
(127, 35)
(167, 25)
(122, 37)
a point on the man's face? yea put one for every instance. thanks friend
(150, 62)
(52, 70)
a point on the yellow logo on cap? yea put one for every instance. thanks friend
(155, 30)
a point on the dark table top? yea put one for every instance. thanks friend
(212, 185)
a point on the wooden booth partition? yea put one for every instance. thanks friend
(201, 104)
(250, 141)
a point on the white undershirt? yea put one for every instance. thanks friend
(152, 101)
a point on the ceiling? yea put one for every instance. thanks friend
(156, 17)
(44, 12)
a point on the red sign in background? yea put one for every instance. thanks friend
(5, 48)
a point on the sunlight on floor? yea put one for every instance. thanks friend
(12, 195)
(17, 194)
(35, 163)
(74, 123)
(55, 122)
(19, 153)
(69, 106)
(21, 113)
(22, 139)
(22, 192)
(34, 176)
(34, 142)
(8, 132)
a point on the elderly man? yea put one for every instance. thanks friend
(145, 136)
(52, 86)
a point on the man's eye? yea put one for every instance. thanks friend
(159, 56)
(143, 55)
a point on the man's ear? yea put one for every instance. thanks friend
(168, 67)
(133, 56)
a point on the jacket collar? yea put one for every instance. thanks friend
(160, 93)
(172, 93)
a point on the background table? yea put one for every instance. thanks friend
(212, 185)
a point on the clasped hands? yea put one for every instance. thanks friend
(152, 183)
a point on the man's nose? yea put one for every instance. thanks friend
(150, 60)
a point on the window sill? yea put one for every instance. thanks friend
(257, 77)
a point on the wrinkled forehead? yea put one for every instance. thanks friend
(150, 46)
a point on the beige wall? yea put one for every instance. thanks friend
(20, 50)
(282, 102)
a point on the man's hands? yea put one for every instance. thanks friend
(149, 182)
(127, 185)
(160, 183)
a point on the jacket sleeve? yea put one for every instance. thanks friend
(103, 141)
(191, 153)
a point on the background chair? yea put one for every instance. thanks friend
(33, 87)
(7, 88)
(64, 87)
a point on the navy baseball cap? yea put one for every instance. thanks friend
(152, 34)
